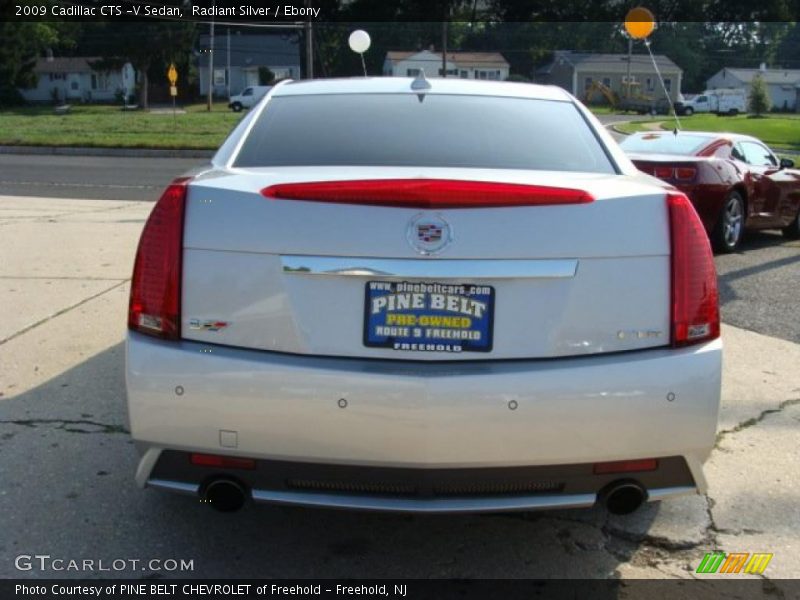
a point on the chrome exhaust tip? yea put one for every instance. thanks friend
(623, 497)
(224, 495)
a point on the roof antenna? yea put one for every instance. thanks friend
(421, 85)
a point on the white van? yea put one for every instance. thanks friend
(248, 97)
(722, 102)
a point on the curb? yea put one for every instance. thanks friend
(90, 151)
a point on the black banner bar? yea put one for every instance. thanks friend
(412, 589)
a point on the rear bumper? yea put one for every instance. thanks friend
(195, 397)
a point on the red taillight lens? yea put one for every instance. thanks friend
(685, 173)
(427, 193)
(663, 172)
(695, 299)
(155, 303)
(626, 466)
(223, 462)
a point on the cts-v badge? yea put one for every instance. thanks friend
(429, 234)
(207, 325)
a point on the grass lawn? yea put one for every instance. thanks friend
(778, 131)
(110, 127)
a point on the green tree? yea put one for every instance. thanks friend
(150, 46)
(265, 76)
(759, 96)
(22, 43)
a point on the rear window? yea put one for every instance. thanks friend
(437, 131)
(665, 143)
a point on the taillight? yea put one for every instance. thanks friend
(155, 303)
(685, 173)
(663, 172)
(695, 299)
(427, 193)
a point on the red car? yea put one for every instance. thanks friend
(734, 181)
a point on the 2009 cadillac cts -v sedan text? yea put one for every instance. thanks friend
(434, 296)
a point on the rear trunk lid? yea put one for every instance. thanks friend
(373, 282)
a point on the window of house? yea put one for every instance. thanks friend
(412, 72)
(607, 81)
(73, 85)
(668, 84)
(650, 84)
(464, 74)
(587, 83)
(100, 81)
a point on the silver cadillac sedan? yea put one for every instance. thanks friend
(426, 296)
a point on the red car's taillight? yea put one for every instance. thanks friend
(663, 172)
(427, 193)
(685, 173)
(155, 303)
(695, 299)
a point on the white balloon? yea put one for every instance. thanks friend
(359, 41)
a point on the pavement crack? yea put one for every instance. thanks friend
(756, 420)
(61, 312)
(69, 425)
(652, 541)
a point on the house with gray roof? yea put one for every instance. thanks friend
(576, 72)
(783, 85)
(246, 54)
(78, 79)
(464, 65)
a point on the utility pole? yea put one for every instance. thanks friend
(444, 46)
(211, 65)
(228, 66)
(309, 37)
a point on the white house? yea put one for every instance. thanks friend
(73, 79)
(466, 65)
(783, 85)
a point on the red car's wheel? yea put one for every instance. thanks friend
(727, 234)
(792, 231)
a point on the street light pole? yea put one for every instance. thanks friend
(628, 78)
(228, 66)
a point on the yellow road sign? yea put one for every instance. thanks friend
(172, 75)
(639, 23)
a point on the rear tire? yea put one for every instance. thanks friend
(237, 107)
(688, 112)
(727, 234)
(792, 231)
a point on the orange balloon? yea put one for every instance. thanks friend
(639, 23)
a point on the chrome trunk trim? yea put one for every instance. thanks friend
(460, 269)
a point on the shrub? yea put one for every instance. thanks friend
(759, 96)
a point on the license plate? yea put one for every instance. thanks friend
(428, 317)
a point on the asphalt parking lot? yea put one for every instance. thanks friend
(67, 464)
